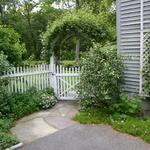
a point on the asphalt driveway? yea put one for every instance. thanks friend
(88, 137)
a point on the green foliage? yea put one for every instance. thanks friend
(21, 15)
(146, 73)
(17, 105)
(135, 126)
(98, 6)
(132, 125)
(7, 140)
(33, 63)
(101, 77)
(70, 64)
(47, 99)
(91, 116)
(10, 45)
(80, 24)
(66, 54)
(128, 105)
(22, 104)
(5, 124)
(4, 102)
(4, 66)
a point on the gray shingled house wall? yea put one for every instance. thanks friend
(133, 22)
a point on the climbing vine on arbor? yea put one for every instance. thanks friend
(79, 25)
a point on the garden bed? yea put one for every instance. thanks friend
(17, 105)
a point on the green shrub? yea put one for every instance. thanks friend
(7, 140)
(24, 103)
(49, 91)
(17, 105)
(4, 102)
(101, 77)
(128, 105)
(10, 44)
(5, 124)
(47, 99)
(70, 64)
(68, 54)
(32, 62)
(4, 66)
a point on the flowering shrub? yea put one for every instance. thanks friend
(101, 77)
(48, 99)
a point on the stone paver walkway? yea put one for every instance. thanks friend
(44, 123)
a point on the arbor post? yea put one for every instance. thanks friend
(53, 74)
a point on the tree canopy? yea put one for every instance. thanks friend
(29, 18)
(11, 46)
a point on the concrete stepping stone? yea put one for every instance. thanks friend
(32, 130)
(60, 122)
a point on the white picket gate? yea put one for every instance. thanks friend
(66, 82)
(62, 80)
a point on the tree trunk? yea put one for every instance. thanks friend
(77, 4)
(1, 13)
(77, 50)
(28, 17)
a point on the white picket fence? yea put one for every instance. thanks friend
(63, 80)
(23, 78)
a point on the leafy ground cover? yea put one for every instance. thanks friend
(6, 138)
(136, 126)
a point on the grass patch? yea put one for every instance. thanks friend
(135, 126)
(92, 116)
